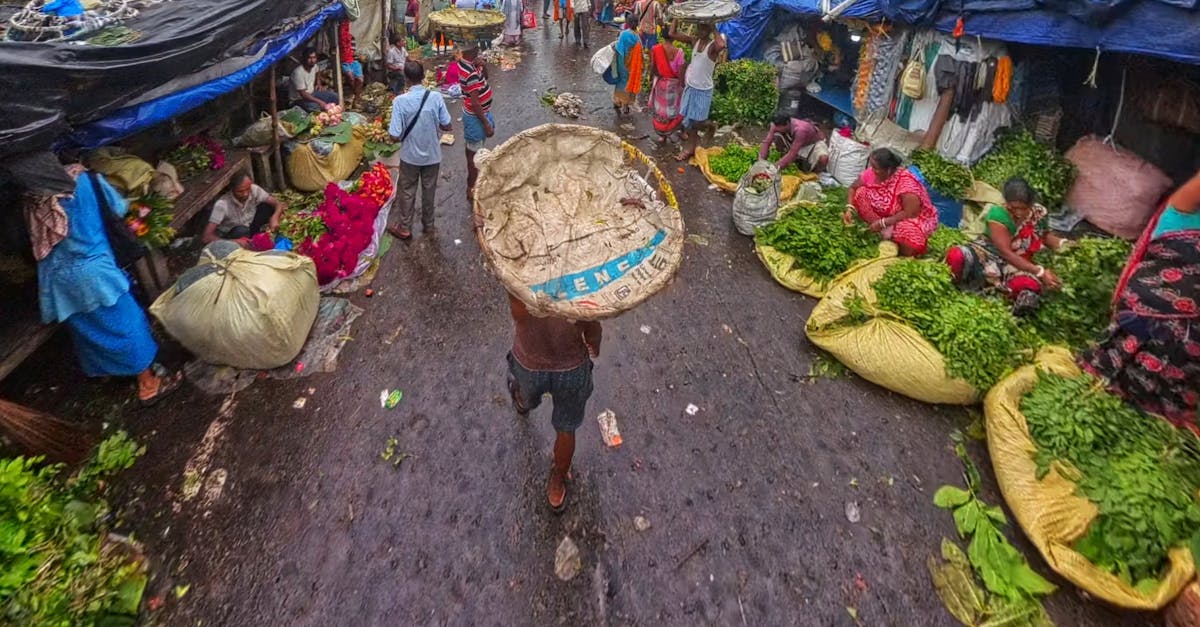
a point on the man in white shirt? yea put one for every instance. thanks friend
(583, 21)
(242, 211)
(707, 47)
(396, 56)
(304, 90)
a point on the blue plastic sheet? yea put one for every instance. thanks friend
(745, 34)
(130, 120)
(1162, 28)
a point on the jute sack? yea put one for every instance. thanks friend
(1050, 512)
(575, 222)
(883, 350)
(253, 311)
(310, 172)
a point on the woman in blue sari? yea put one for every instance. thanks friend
(81, 286)
(627, 67)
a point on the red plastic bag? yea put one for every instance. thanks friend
(528, 19)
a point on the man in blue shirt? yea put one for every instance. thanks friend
(418, 118)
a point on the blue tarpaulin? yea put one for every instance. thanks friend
(1169, 29)
(745, 34)
(135, 118)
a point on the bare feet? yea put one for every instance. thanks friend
(684, 156)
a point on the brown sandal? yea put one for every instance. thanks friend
(562, 505)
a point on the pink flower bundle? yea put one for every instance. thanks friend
(350, 220)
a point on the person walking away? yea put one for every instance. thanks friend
(582, 22)
(1002, 258)
(1149, 355)
(351, 66)
(666, 92)
(79, 282)
(563, 14)
(795, 138)
(512, 22)
(418, 118)
(396, 57)
(244, 210)
(627, 65)
(553, 355)
(477, 119)
(648, 17)
(546, 9)
(893, 203)
(411, 14)
(698, 86)
(304, 87)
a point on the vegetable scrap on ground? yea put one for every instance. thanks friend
(814, 234)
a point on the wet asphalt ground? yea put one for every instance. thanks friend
(282, 516)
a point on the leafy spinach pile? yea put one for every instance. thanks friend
(1140, 471)
(950, 178)
(57, 568)
(745, 92)
(1074, 315)
(978, 337)
(1017, 153)
(822, 245)
(735, 160)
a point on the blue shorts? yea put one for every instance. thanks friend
(695, 105)
(353, 68)
(648, 41)
(473, 130)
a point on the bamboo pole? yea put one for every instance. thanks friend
(385, 36)
(337, 64)
(276, 158)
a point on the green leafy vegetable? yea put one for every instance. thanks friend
(734, 162)
(1075, 314)
(978, 337)
(943, 239)
(1012, 586)
(947, 177)
(745, 93)
(1017, 153)
(56, 566)
(1140, 471)
(822, 245)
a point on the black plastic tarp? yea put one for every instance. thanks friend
(47, 88)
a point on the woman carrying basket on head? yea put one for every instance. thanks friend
(666, 63)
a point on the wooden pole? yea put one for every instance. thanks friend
(337, 63)
(385, 36)
(276, 158)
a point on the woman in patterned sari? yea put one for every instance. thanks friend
(894, 203)
(1151, 353)
(666, 62)
(1002, 259)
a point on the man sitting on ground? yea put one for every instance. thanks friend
(243, 211)
(796, 139)
(305, 88)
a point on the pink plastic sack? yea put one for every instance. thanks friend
(1115, 189)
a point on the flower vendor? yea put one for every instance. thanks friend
(243, 211)
(304, 90)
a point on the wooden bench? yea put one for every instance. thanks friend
(22, 333)
(198, 193)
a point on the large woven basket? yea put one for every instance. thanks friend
(467, 24)
(704, 11)
(575, 222)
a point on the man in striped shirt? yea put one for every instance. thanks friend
(477, 105)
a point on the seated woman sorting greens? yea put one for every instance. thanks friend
(1002, 259)
(1149, 355)
(893, 203)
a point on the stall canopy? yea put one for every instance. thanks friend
(187, 53)
(1161, 28)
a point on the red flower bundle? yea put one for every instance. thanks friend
(349, 218)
